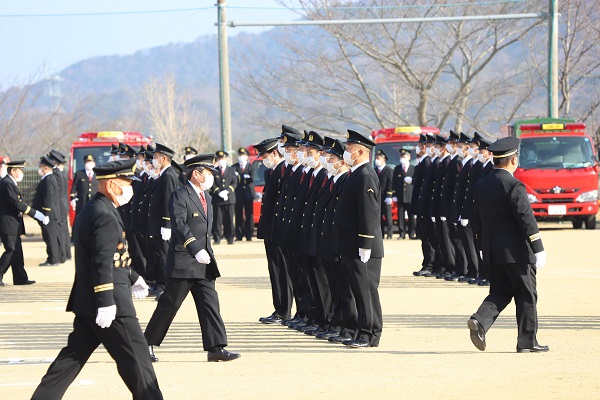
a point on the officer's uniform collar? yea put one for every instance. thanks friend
(163, 170)
(354, 167)
(335, 178)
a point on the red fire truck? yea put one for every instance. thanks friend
(559, 166)
(392, 140)
(259, 180)
(98, 144)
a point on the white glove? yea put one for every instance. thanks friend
(165, 233)
(364, 255)
(46, 220)
(203, 257)
(223, 194)
(106, 315)
(395, 199)
(39, 216)
(540, 259)
(464, 222)
(442, 218)
(73, 203)
(432, 219)
(481, 254)
(408, 179)
(246, 176)
(140, 289)
(388, 201)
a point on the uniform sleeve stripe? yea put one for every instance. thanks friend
(190, 240)
(105, 287)
(47, 209)
(28, 209)
(366, 236)
(535, 237)
(167, 218)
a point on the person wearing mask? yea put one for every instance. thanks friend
(424, 146)
(101, 297)
(64, 235)
(402, 186)
(507, 234)
(189, 152)
(223, 199)
(85, 184)
(12, 227)
(386, 176)
(45, 200)
(191, 264)
(244, 196)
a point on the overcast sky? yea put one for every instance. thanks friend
(32, 37)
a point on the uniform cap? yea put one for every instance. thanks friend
(327, 142)
(57, 156)
(141, 151)
(381, 153)
(355, 137)
(303, 138)
(161, 148)
(290, 139)
(88, 157)
(288, 129)
(114, 148)
(15, 164)
(430, 138)
(266, 146)
(116, 169)
(464, 138)
(504, 147)
(127, 150)
(483, 144)
(337, 148)
(150, 148)
(47, 161)
(148, 155)
(242, 150)
(404, 152)
(453, 136)
(190, 150)
(201, 160)
(221, 153)
(439, 139)
(315, 140)
(422, 138)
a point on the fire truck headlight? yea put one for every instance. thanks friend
(592, 195)
(532, 198)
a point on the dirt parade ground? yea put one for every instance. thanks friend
(425, 350)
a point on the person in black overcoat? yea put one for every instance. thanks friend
(101, 295)
(85, 184)
(423, 147)
(386, 176)
(507, 234)
(62, 201)
(223, 199)
(402, 186)
(45, 199)
(244, 196)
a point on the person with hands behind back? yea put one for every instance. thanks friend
(101, 295)
(191, 265)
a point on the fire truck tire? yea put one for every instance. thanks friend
(590, 223)
(577, 224)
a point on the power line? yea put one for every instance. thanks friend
(90, 14)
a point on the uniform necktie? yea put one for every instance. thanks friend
(312, 179)
(324, 182)
(331, 185)
(302, 177)
(90, 174)
(222, 171)
(405, 168)
(203, 201)
(282, 170)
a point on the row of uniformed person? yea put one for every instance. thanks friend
(319, 220)
(442, 199)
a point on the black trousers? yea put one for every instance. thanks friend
(460, 257)
(223, 222)
(472, 258)
(244, 217)
(344, 314)
(446, 248)
(510, 281)
(406, 227)
(300, 289)
(138, 261)
(387, 223)
(64, 239)
(50, 234)
(158, 254)
(427, 234)
(364, 282)
(321, 291)
(124, 342)
(13, 257)
(207, 306)
(281, 284)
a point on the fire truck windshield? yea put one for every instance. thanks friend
(100, 153)
(555, 153)
(392, 151)
(259, 173)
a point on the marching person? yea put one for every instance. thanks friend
(244, 196)
(101, 294)
(45, 200)
(191, 265)
(223, 199)
(12, 227)
(402, 186)
(85, 184)
(507, 234)
(386, 176)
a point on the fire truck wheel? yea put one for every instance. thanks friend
(577, 224)
(590, 223)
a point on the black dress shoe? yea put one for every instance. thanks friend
(327, 334)
(273, 319)
(222, 355)
(339, 339)
(484, 282)
(152, 355)
(477, 333)
(230, 242)
(538, 348)
(465, 279)
(422, 272)
(263, 318)
(158, 294)
(358, 344)
(308, 328)
(25, 283)
(474, 281)
(47, 264)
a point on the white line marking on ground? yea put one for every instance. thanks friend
(14, 313)
(573, 274)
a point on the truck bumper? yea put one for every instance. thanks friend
(564, 211)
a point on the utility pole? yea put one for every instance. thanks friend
(224, 77)
(553, 60)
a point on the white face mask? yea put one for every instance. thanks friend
(156, 163)
(243, 159)
(209, 180)
(449, 148)
(288, 157)
(429, 151)
(348, 157)
(188, 156)
(89, 166)
(126, 195)
(471, 151)
(404, 162)
(311, 162)
(222, 163)
(41, 172)
(438, 152)
(300, 156)
(378, 162)
(3, 172)
(19, 177)
(480, 157)
(138, 165)
(322, 160)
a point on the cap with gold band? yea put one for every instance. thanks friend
(355, 137)
(266, 146)
(116, 169)
(15, 164)
(504, 147)
(201, 160)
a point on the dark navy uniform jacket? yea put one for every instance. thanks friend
(12, 208)
(45, 198)
(83, 189)
(268, 201)
(227, 181)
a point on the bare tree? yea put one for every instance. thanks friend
(173, 119)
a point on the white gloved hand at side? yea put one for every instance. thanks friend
(106, 315)
(442, 218)
(140, 289)
(464, 222)
(481, 254)
(165, 233)
(46, 220)
(73, 203)
(364, 254)
(203, 257)
(224, 194)
(388, 201)
(39, 216)
(408, 179)
(432, 219)
(540, 259)
(246, 176)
